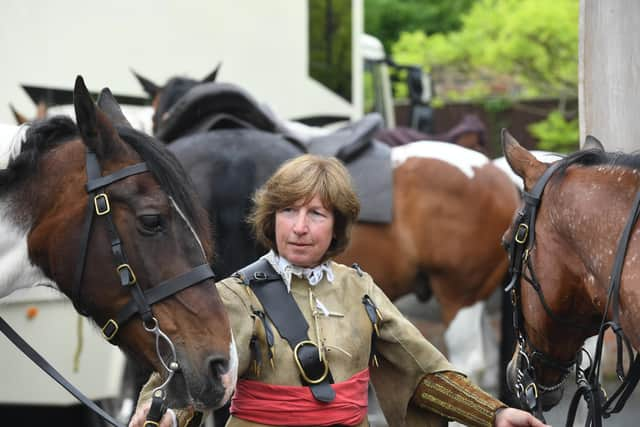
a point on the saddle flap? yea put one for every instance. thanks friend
(349, 141)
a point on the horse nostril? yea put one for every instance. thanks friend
(219, 365)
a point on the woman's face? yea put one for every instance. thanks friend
(304, 232)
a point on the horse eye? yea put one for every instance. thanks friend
(151, 223)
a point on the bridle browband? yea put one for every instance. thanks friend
(141, 301)
(587, 378)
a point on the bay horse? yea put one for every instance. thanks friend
(573, 252)
(107, 216)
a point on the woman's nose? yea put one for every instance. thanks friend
(300, 224)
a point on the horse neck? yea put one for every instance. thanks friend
(17, 271)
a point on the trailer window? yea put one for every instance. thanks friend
(330, 39)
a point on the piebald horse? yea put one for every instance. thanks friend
(106, 215)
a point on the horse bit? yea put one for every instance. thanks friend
(587, 378)
(139, 304)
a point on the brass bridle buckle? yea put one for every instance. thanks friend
(131, 275)
(522, 233)
(304, 375)
(101, 203)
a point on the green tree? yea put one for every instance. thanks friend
(387, 19)
(510, 49)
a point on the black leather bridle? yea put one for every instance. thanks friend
(141, 300)
(587, 378)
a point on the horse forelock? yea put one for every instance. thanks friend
(462, 158)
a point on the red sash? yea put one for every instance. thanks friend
(295, 405)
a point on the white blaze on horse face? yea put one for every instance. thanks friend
(16, 269)
(193, 231)
(231, 376)
(462, 158)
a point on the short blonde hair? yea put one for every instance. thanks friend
(302, 178)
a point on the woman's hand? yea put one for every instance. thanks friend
(138, 419)
(512, 417)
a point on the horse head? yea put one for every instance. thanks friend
(110, 220)
(561, 256)
(164, 97)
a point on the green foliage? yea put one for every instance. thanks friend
(386, 19)
(557, 134)
(522, 48)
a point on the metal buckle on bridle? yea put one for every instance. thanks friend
(521, 233)
(101, 203)
(131, 275)
(107, 326)
(304, 375)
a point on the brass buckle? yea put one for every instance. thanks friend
(525, 233)
(132, 275)
(150, 424)
(115, 329)
(535, 389)
(96, 201)
(301, 369)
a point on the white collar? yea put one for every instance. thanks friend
(285, 269)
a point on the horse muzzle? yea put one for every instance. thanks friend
(207, 388)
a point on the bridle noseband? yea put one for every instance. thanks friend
(587, 378)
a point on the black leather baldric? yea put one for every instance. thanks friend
(287, 318)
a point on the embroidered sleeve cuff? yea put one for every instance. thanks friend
(453, 396)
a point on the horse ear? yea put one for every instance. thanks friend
(150, 87)
(96, 129)
(212, 76)
(523, 163)
(592, 143)
(108, 104)
(20, 118)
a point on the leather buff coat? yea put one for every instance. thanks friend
(404, 355)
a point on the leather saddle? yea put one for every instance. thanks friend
(212, 106)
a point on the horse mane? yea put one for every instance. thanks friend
(40, 137)
(600, 158)
(46, 134)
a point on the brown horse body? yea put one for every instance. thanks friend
(446, 228)
(583, 210)
(450, 208)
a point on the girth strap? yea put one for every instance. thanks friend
(286, 316)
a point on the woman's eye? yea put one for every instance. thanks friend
(151, 222)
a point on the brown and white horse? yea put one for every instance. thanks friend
(146, 229)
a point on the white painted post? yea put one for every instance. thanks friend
(609, 73)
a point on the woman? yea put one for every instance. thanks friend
(311, 333)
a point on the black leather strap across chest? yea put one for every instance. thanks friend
(287, 318)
